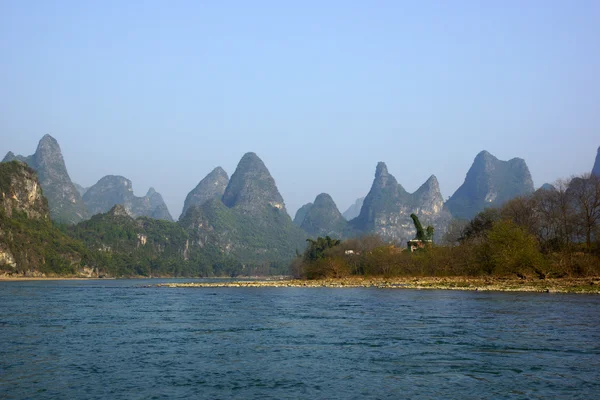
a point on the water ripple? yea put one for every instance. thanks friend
(129, 340)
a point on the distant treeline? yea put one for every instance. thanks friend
(551, 233)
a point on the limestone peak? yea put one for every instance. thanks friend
(252, 188)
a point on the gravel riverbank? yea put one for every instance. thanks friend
(563, 285)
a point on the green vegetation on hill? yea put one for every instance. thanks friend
(322, 218)
(123, 246)
(37, 245)
(29, 242)
(222, 231)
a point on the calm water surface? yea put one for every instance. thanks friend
(121, 340)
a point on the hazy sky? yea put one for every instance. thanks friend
(162, 92)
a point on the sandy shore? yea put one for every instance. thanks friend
(564, 285)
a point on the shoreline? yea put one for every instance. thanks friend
(49, 278)
(590, 285)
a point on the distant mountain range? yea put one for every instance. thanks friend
(322, 218)
(248, 222)
(386, 209)
(111, 190)
(490, 183)
(235, 224)
(64, 200)
(71, 203)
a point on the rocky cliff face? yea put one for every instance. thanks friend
(250, 223)
(21, 192)
(211, 187)
(354, 210)
(324, 219)
(113, 189)
(29, 244)
(596, 168)
(64, 200)
(386, 209)
(490, 183)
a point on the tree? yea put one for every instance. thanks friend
(478, 226)
(421, 234)
(585, 192)
(316, 248)
(522, 211)
(454, 232)
(510, 249)
(564, 210)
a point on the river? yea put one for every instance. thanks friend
(126, 339)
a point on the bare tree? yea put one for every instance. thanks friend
(585, 192)
(522, 211)
(550, 224)
(564, 211)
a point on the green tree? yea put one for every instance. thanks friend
(316, 248)
(510, 249)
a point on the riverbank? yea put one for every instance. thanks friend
(562, 285)
(48, 278)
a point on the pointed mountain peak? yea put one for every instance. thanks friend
(47, 139)
(48, 151)
(252, 187)
(48, 147)
(430, 186)
(381, 170)
(383, 178)
(432, 181)
(324, 218)
(218, 172)
(211, 187)
(150, 192)
(484, 154)
(484, 157)
(250, 161)
(324, 199)
(490, 182)
(63, 198)
(301, 213)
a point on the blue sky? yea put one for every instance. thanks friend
(162, 92)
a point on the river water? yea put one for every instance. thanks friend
(118, 339)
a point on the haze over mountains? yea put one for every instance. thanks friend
(71, 203)
(237, 224)
(490, 183)
(64, 199)
(385, 210)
